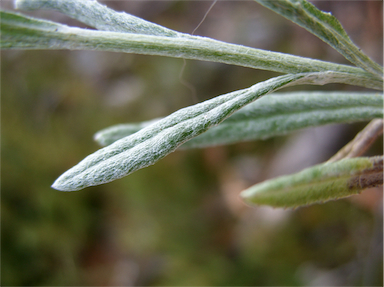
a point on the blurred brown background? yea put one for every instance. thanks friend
(179, 222)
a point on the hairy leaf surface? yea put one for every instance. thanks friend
(154, 142)
(317, 184)
(273, 115)
(326, 27)
(22, 32)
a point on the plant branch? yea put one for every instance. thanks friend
(362, 141)
(21, 32)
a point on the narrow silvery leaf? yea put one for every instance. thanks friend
(326, 27)
(317, 184)
(21, 32)
(99, 16)
(154, 142)
(273, 115)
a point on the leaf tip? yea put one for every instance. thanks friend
(97, 137)
(59, 187)
(62, 184)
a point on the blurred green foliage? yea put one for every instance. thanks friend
(169, 224)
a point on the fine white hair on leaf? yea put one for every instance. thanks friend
(273, 115)
(98, 16)
(157, 140)
(22, 32)
(318, 184)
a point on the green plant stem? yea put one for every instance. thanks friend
(20, 32)
(362, 141)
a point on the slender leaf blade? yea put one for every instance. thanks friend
(317, 184)
(21, 32)
(326, 27)
(273, 115)
(99, 16)
(154, 142)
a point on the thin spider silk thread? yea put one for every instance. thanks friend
(205, 16)
(184, 82)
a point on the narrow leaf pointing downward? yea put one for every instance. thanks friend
(154, 142)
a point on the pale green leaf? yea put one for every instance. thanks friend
(99, 16)
(326, 27)
(317, 184)
(154, 142)
(21, 32)
(273, 115)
